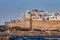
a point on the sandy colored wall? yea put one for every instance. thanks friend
(36, 24)
(45, 24)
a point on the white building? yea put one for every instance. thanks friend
(54, 16)
(41, 15)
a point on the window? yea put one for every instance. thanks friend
(40, 15)
(53, 17)
(35, 18)
(47, 18)
(43, 18)
(33, 15)
(56, 17)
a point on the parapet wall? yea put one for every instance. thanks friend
(36, 24)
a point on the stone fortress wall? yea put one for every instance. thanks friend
(36, 19)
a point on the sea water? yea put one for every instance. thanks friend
(33, 37)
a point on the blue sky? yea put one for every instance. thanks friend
(9, 9)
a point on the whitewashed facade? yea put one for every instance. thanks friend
(37, 15)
